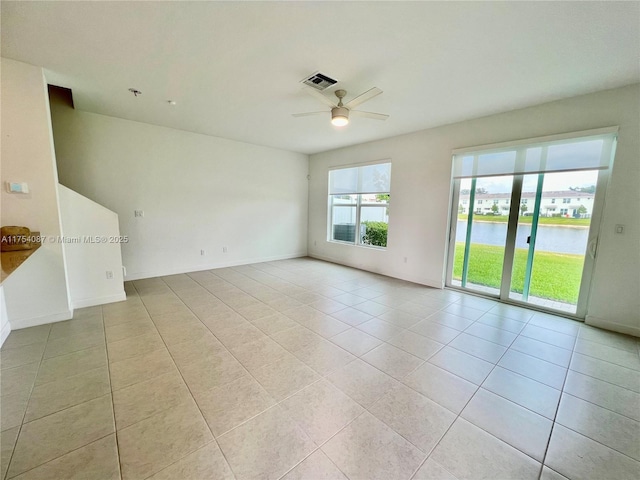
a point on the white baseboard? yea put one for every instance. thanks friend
(613, 326)
(34, 322)
(90, 302)
(408, 278)
(6, 330)
(211, 266)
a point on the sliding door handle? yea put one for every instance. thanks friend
(593, 248)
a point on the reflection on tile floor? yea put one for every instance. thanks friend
(302, 369)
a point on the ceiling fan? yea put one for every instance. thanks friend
(339, 111)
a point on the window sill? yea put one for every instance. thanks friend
(371, 247)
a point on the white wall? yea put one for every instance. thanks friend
(420, 197)
(5, 326)
(88, 261)
(197, 192)
(33, 291)
(28, 156)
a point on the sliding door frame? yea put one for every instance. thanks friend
(512, 226)
(592, 242)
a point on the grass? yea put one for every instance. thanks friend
(561, 221)
(556, 276)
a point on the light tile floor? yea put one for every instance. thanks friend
(302, 369)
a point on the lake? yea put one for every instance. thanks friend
(550, 238)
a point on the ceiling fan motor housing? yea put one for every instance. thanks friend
(337, 112)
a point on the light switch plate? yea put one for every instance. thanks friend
(15, 187)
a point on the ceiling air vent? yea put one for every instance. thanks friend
(319, 81)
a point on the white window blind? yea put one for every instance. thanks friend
(374, 178)
(592, 152)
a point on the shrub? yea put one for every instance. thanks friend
(375, 234)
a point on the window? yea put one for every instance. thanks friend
(359, 204)
(566, 200)
(479, 202)
(553, 200)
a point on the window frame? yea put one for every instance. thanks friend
(359, 204)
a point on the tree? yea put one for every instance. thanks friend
(383, 197)
(523, 208)
(582, 210)
(494, 208)
(460, 209)
(482, 190)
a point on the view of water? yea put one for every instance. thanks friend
(549, 239)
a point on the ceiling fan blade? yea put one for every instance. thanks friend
(375, 116)
(307, 114)
(368, 95)
(321, 97)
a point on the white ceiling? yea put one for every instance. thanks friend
(233, 67)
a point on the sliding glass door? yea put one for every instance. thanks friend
(481, 234)
(552, 239)
(525, 219)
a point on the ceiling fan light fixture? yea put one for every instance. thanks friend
(339, 116)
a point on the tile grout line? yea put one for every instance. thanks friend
(607, 361)
(319, 446)
(555, 416)
(278, 404)
(459, 415)
(423, 362)
(214, 439)
(13, 451)
(293, 283)
(113, 408)
(586, 400)
(63, 409)
(600, 379)
(495, 364)
(67, 453)
(297, 391)
(521, 334)
(598, 442)
(367, 409)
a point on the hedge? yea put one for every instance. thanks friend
(375, 234)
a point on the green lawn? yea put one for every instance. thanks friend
(575, 222)
(556, 276)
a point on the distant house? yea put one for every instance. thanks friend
(566, 203)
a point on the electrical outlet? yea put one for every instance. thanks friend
(202, 252)
(138, 213)
(224, 249)
(619, 229)
(109, 275)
